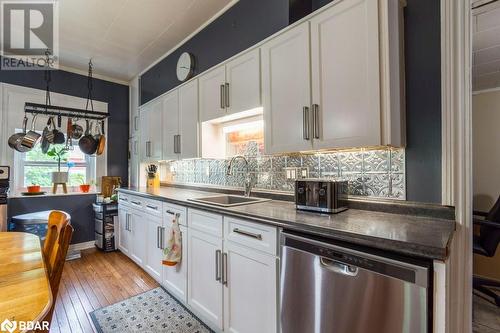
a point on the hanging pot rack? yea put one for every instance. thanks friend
(53, 110)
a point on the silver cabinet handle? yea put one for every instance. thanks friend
(248, 234)
(170, 212)
(315, 108)
(152, 207)
(305, 123)
(148, 148)
(224, 269)
(136, 123)
(178, 143)
(158, 236)
(217, 265)
(162, 238)
(135, 147)
(123, 199)
(227, 94)
(126, 221)
(222, 96)
(136, 203)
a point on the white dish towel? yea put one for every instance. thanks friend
(172, 253)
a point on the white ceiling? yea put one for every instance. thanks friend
(124, 37)
(486, 46)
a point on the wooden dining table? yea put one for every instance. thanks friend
(25, 293)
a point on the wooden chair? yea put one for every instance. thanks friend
(55, 248)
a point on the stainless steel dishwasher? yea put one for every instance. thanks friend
(326, 288)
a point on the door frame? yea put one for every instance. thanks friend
(455, 315)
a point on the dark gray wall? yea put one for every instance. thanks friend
(117, 97)
(423, 100)
(250, 21)
(78, 206)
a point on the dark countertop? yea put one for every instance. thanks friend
(420, 236)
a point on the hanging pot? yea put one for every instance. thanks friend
(16, 138)
(87, 143)
(31, 138)
(101, 140)
(45, 136)
(58, 134)
(76, 131)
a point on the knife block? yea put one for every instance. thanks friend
(153, 182)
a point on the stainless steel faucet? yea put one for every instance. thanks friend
(248, 180)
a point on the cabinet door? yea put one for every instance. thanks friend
(154, 244)
(243, 82)
(134, 161)
(170, 124)
(144, 145)
(137, 238)
(175, 277)
(250, 294)
(211, 94)
(346, 80)
(286, 91)
(123, 237)
(188, 120)
(204, 286)
(156, 131)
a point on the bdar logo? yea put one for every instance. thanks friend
(8, 326)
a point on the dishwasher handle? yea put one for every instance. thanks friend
(338, 267)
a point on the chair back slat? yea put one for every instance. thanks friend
(55, 249)
(490, 236)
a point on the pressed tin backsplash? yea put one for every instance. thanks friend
(378, 173)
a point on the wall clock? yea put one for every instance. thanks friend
(185, 66)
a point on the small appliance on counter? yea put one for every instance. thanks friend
(104, 218)
(321, 195)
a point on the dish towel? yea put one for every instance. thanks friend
(172, 253)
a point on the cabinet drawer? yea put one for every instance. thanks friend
(169, 210)
(205, 222)
(254, 235)
(153, 207)
(136, 202)
(123, 199)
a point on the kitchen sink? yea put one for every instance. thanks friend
(228, 200)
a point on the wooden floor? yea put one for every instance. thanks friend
(96, 280)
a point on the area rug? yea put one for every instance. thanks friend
(153, 311)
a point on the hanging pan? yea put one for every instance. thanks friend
(31, 138)
(15, 139)
(87, 143)
(101, 143)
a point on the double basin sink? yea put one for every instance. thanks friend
(228, 200)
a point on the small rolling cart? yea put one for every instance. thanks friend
(104, 218)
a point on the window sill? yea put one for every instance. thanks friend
(49, 194)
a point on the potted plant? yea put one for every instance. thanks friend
(85, 188)
(59, 154)
(33, 188)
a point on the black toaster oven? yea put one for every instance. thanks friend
(321, 195)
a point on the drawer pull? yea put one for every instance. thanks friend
(123, 199)
(152, 207)
(248, 234)
(136, 203)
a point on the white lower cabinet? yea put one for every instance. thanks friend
(250, 292)
(137, 233)
(155, 241)
(124, 235)
(205, 276)
(229, 269)
(175, 277)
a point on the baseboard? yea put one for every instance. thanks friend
(81, 246)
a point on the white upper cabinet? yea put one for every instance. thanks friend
(212, 94)
(342, 90)
(232, 87)
(188, 139)
(151, 131)
(134, 107)
(286, 91)
(243, 82)
(345, 75)
(170, 124)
